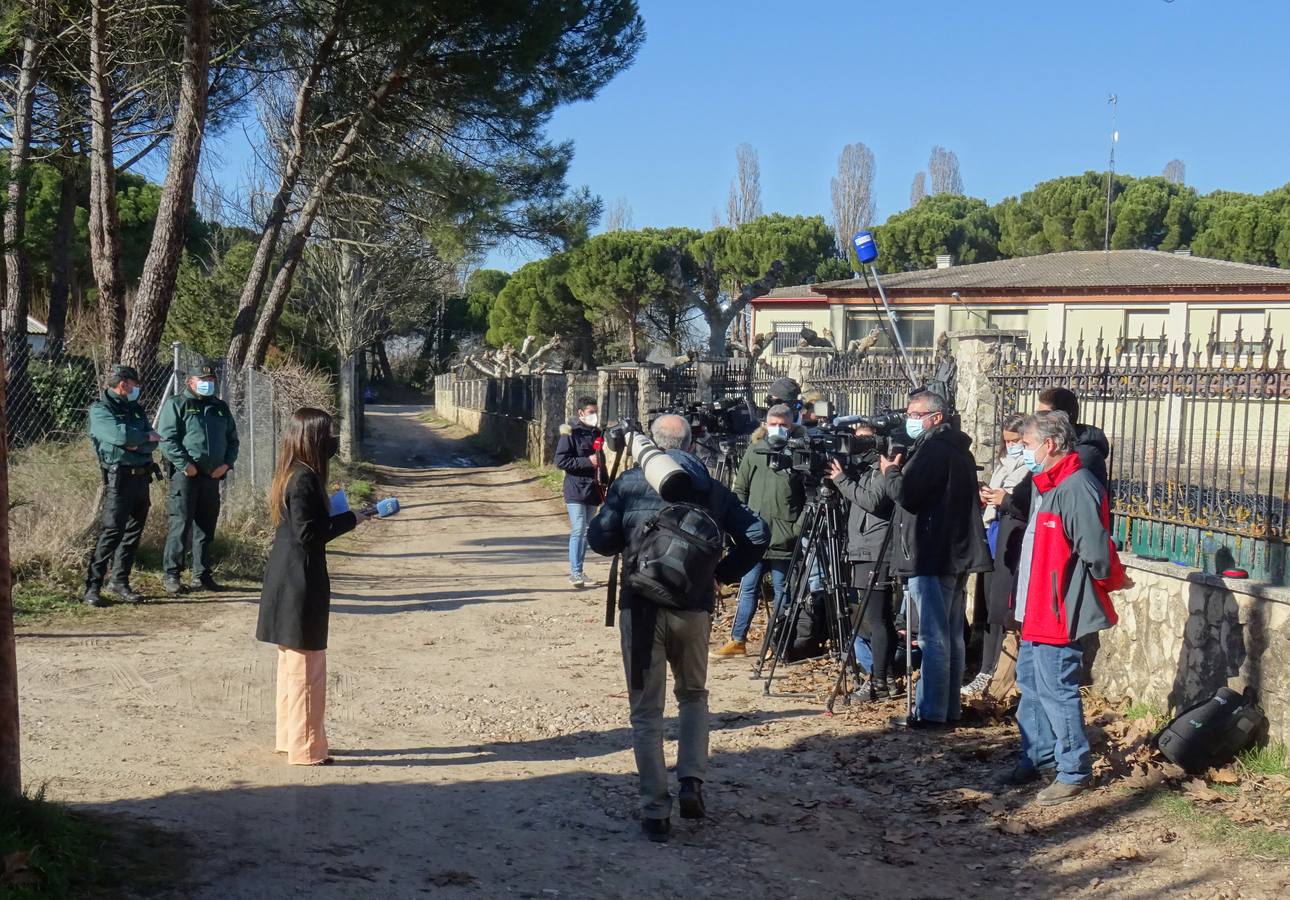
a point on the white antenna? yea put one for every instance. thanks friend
(1110, 175)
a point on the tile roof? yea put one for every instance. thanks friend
(793, 292)
(1082, 269)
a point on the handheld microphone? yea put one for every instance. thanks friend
(382, 508)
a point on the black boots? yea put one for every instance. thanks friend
(690, 799)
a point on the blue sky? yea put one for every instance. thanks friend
(1017, 89)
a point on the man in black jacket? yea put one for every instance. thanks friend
(654, 637)
(576, 455)
(939, 540)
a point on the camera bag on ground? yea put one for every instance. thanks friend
(1211, 733)
(673, 559)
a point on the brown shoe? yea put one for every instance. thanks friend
(731, 649)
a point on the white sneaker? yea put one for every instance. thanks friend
(976, 686)
(578, 580)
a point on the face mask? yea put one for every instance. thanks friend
(333, 446)
(914, 428)
(132, 394)
(1028, 457)
(1015, 451)
(776, 435)
(205, 389)
(591, 420)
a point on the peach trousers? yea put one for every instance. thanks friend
(302, 697)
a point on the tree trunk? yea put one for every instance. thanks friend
(160, 269)
(718, 325)
(61, 251)
(10, 745)
(17, 266)
(249, 303)
(383, 361)
(291, 256)
(105, 221)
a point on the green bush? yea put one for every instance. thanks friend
(64, 389)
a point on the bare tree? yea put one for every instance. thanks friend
(918, 190)
(1176, 172)
(853, 196)
(744, 202)
(943, 168)
(105, 220)
(161, 267)
(17, 267)
(618, 217)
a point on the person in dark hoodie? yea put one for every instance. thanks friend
(576, 455)
(939, 540)
(1091, 446)
(654, 637)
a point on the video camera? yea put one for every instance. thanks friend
(888, 432)
(832, 438)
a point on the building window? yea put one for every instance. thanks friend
(1142, 330)
(1008, 319)
(787, 334)
(915, 328)
(1250, 324)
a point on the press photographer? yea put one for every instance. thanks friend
(778, 496)
(667, 610)
(939, 540)
(868, 521)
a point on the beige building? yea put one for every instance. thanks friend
(1055, 297)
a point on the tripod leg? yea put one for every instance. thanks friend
(909, 656)
(774, 621)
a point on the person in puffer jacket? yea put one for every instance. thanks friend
(1067, 571)
(584, 485)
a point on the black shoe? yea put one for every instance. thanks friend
(878, 691)
(126, 593)
(170, 584)
(656, 830)
(920, 724)
(691, 799)
(92, 598)
(206, 583)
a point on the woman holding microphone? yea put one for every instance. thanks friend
(296, 599)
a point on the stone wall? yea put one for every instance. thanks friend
(511, 437)
(1184, 634)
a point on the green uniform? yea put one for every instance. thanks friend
(778, 497)
(199, 431)
(120, 432)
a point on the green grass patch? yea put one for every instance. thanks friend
(1270, 759)
(1139, 710)
(1252, 839)
(59, 853)
(549, 477)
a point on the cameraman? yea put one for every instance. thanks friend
(779, 498)
(939, 540)
(868, 520)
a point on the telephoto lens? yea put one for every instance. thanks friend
(662, 473)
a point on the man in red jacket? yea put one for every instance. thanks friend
(1068, 568)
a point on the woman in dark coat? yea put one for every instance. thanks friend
(584, 484)
(296, 598)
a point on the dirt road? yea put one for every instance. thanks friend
(477, 713)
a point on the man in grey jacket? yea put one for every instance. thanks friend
(654, 638)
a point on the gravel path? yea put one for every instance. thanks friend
(477, 713)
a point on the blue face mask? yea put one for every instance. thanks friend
(1028, 457)
(205, 389)
(132, 394)
(776, 435)
(914, 428)
(1015, 451)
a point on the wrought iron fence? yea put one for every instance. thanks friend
(621, 398)
(863, 384)
(677, 385)
(1200, 441)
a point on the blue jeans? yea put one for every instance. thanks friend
(942, 612)
(580, 515)
(1051, 715)
(750, 590)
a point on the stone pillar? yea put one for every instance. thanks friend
(802, 362)
(602, 389)
(647, 395)
(549, 416)
(703, 391)
(976, 353)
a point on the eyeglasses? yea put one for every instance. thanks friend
(920, 415)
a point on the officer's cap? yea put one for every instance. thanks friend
(205, 370)
(122, 373)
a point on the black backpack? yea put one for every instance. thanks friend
(673, 558)
(1211, 733)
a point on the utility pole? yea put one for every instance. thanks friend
(1110, 175)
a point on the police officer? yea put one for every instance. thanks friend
(123, 441)
(199, 439)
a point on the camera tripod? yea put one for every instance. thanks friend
(819, 555)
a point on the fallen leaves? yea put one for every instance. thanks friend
(1198, 790)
